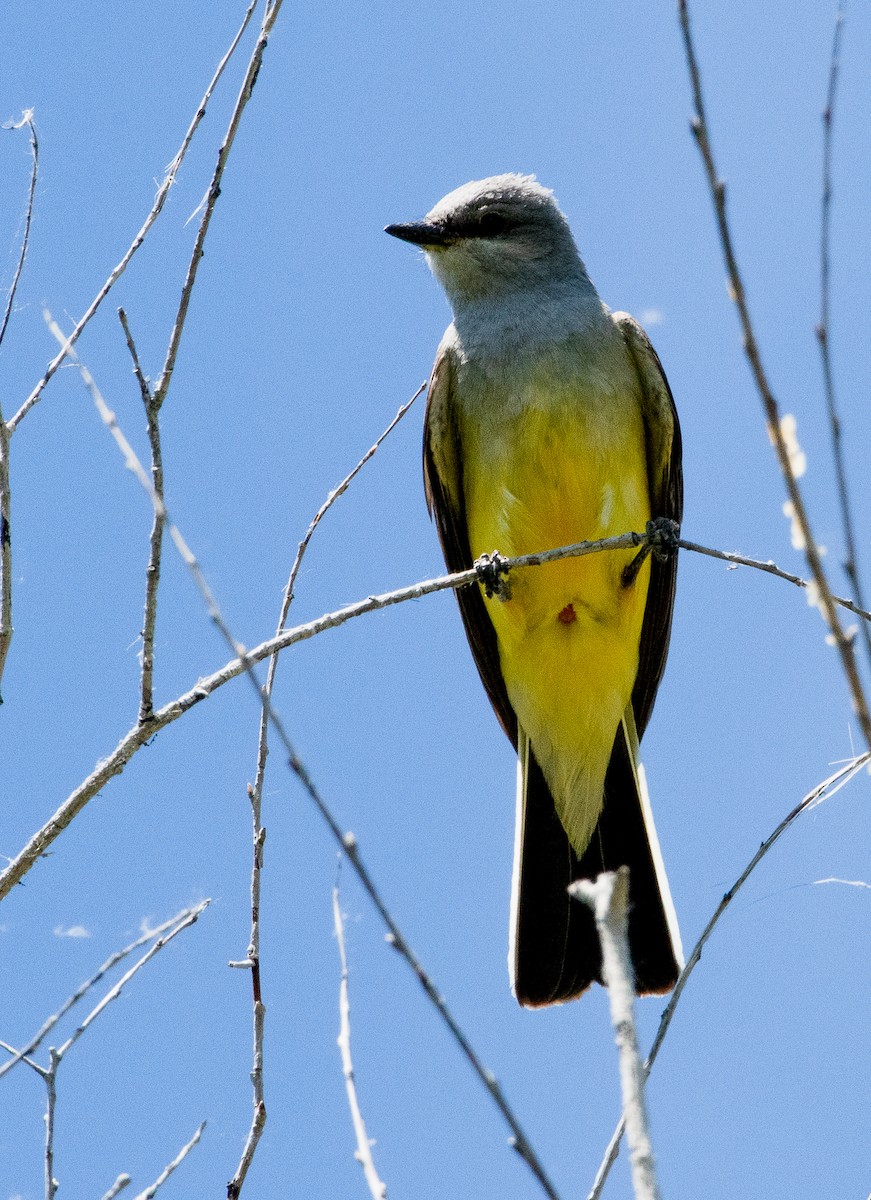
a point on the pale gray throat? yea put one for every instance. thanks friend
(523, 320)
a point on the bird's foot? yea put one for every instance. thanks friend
(493, 575)
(661, 539)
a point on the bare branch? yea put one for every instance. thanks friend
(255, 794)
(258, 1120)
(769, 568)
(823, 791)
(152, 1190)
(188, 917)
(843, 642)
(608, 897)
(6, 629)
(81, 991)
(26, 121)
(159, 201)
(377, 1188)
(152, 571)
(823, 329)
(269, 18)
(331, 500)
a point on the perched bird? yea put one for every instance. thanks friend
(550, 421)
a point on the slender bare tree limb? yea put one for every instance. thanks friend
(155, 545)
(151, 1191)
(331, 500)
(769, 568)
(156, 208)
(377, 1188)
(717, 188)
(83, 989)
(269, 17)
(6, 629)
(255, 795)
(258, 1120)
(823, 329)
(823, 791)
(26, 121)
(186, 918)
(608, 897)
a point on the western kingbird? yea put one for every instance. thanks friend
(549, 421)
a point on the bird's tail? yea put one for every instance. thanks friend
(554, 954)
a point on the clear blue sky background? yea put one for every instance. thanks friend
(307, 330)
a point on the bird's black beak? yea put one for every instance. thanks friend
(420, 233)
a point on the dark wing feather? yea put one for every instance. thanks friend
(665, 476)
(443, 483)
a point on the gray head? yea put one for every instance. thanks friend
(494, 236)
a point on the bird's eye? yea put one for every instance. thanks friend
(492, 224)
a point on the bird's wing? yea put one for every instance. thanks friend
(443, 483)
(665, 477)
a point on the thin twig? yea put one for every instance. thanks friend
(331, 500)
(187, 917)
(269, 18)
(823, 791)
(157, 206)
(117, 1187)
(255, 795)
(26, 120)
(608, 897)
(151, 1191)
(155, 545)
(823, 329)
(6, 629)
(258, 1119)
(377, 1188)
(769, 568)
(81, 991)
(827, 606)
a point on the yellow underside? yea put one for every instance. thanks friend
(569, 632)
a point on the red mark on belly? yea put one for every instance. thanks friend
(568, 615)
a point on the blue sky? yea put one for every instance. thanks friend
(307, 330)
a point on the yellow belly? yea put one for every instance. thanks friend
(569, 633)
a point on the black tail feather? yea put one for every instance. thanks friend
(556, 947)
